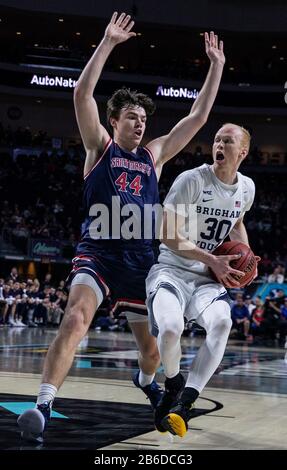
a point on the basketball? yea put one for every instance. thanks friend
(246, 263)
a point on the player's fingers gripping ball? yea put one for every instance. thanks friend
(247, 262)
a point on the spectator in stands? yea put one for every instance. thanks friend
(283, 323)
(62, 284)
(282, 270)
(238, 297)
(278, 297)
(270, 320)
(257, 317)
(276, 277)
(13, 274)
(249, 304)
(61, 304)
(240, 318)
(47, 281)
(5, 308)
(265, 265)
(2, 301)
(283, 308)
(30, 308)
(276, 305)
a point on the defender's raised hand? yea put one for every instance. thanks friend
(119, 29)
(214, 52)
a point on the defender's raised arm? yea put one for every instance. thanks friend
(94, 135)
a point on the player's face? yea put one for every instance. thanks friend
(227, 148)
(131, 124)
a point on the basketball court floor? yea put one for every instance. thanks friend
(243, 407)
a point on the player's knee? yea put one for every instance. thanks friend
(219, 321)
(76, 320)
(171, 330)
(224, 324)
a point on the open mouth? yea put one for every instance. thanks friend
(219, 156)
(138, 133)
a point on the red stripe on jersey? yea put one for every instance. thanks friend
(139, 302)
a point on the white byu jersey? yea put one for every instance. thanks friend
(211, 209)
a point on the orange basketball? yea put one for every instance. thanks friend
(246, 263)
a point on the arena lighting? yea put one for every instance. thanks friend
(173, 92)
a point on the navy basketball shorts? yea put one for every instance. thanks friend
(118, 274)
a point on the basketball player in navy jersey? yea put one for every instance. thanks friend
(117, 172)
(203, 207)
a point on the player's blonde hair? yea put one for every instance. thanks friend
(246, 137)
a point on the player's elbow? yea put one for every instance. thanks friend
(80, 94)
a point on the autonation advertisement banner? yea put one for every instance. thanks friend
(55, 81)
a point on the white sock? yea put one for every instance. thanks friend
(145, 379)
(168, 315)
(217, 322)
(47, 393)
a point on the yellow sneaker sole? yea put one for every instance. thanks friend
(176, 425)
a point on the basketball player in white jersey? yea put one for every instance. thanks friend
(202, 208)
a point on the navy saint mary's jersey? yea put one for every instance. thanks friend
(118, 178)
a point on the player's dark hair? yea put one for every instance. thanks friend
(124, 98)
